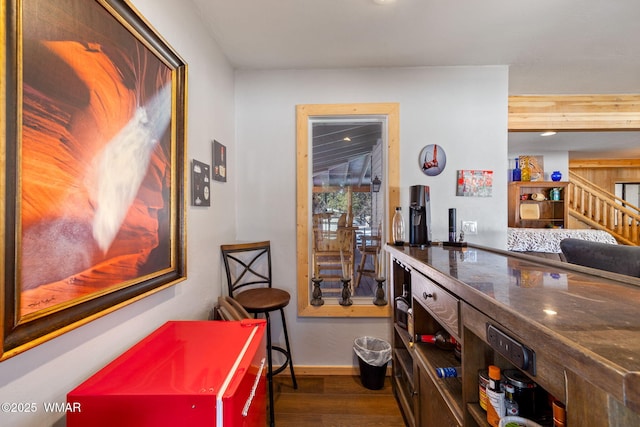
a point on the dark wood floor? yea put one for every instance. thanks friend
(336, 401)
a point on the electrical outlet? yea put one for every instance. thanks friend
(519, 354)
(470, 227)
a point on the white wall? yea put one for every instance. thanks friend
(463, 109)
(46, 373)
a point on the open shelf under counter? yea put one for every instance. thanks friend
(429, 358)
(403, 377)
(478, 414)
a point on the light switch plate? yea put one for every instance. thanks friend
(470, 227)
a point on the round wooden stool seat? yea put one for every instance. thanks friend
(262, 300)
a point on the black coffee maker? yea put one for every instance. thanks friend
(419, 215)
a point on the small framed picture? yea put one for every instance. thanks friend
(432, 160)
(200, 184)
(474, 183)
(219, 162)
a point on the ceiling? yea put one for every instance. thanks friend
(342, 152)
(550, 46)
(580, 145)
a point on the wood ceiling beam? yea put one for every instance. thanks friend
(604, 163)
(574, 112)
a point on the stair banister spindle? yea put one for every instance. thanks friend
(627, 228)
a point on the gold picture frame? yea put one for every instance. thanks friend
(93, 154)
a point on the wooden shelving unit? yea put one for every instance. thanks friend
(425, 399)
(552, 213)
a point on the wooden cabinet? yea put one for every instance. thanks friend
(425, 399)
(534, 331)
(532, 206)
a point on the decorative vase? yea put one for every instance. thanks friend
(516, 174)
(525, 170)
(556, 176)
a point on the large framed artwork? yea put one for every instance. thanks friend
(93, 161)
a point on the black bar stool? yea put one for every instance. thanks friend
(248, 268)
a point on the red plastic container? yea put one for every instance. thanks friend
(186, 373)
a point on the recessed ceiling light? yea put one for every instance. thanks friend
(384, 1)
(548, 133)
(346, 138)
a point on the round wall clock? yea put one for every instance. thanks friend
(432, 160)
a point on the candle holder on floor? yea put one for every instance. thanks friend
(317, 292)
(379, 299)
(346, 292)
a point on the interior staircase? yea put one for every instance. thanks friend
(602, 210)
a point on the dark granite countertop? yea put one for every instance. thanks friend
(595, 314)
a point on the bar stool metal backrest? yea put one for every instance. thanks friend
(248, 266)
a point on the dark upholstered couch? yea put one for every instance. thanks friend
(620, 259)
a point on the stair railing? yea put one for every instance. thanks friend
(603, 210)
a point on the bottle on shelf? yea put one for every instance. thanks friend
(495, 397)
(410, 325)
(441, 339)
(398, 227)
(516, 174)
(554, 193)
(402, 305)
(483, 383)
(449, 372)
(457, 351)
(511, 406)
(559, 414)
(525, 170)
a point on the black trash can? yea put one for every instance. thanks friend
(373, 356)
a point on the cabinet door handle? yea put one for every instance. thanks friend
(426, 295)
